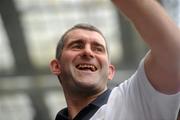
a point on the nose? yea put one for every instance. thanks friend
(87, 53)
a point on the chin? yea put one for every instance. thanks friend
(92, 88)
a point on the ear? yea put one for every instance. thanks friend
(55, 67)
(111, 72)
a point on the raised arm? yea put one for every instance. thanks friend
(162, 64)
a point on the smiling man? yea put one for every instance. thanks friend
(82, 64)
(83, 67)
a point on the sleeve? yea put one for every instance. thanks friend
(136, 99)
(156, 105)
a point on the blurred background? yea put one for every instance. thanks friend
(29, 32)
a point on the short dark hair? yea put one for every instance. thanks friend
(89, 27)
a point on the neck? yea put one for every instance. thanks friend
(76, 103)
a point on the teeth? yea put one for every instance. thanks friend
(86, 66)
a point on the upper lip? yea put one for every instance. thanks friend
(86, 66)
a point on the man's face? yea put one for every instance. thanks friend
(84, 62)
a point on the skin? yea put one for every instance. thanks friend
(82, 86)
(158, 30)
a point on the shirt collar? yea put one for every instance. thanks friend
(98, 102)
(101, 99)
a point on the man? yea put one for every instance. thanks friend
(83, 68)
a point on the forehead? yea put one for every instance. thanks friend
(86, 35)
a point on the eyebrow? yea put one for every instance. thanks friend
(80, 41)
(74, 41)
(98, 44)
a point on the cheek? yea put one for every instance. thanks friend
(108, 69)
(104, 61)
(104, 64)
(67, 56)
(68, 59)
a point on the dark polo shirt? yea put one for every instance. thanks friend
(87, 112)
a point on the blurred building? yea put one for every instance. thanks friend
(29, 32)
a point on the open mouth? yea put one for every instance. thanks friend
(87, 67)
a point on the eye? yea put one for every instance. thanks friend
(99, 49)
(77, 46)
